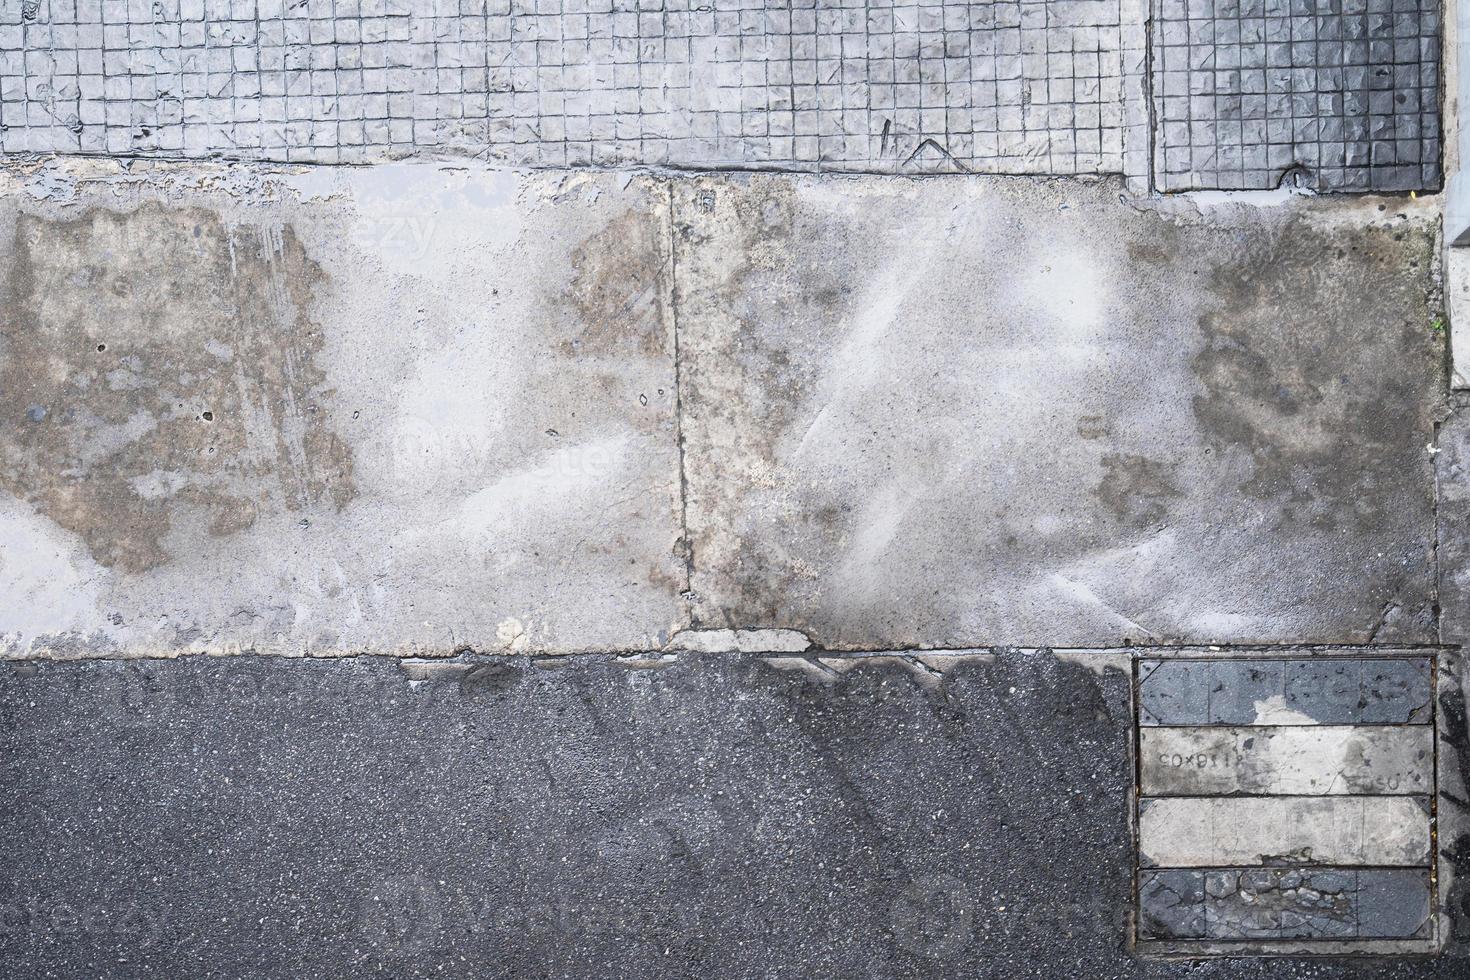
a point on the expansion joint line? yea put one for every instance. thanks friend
(685, 545)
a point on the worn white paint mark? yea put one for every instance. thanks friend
(1098, 662)
(1275, 711)
(645, 661)
(1207, 200)
(942, 661)
(1319, 761)
(1201, 832)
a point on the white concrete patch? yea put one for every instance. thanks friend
(1275, 711)
(1457, 302)
(1206, 200)
(739, 641)
(49, 583)
(1203, 832)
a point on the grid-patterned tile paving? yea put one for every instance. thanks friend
(1332, 94)
(883, 85)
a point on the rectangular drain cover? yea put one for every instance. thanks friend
(1283, 803)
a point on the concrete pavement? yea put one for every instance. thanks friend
(419, 410)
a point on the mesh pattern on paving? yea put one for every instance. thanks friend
(1015, 86)
(1333, 94)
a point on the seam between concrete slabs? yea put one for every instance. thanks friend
(685, 544)
(673, 169)
(671, 656)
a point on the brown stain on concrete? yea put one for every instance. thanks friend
(1093, 427)
(160, 360)
(1154, 251)
(745, 383)
(759, 229)
(618, 290)
(1137, 489)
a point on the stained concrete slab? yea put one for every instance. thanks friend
(1300, 761)
(442, 413)
(584, 816)
(1277, 904)
(396, 409)
(970, 412)
(1320, 690)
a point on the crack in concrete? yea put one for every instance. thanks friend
(1388, 609)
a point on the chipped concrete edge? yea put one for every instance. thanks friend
(734, 642)
(1456, 205)
(1455, 257)
(57, 178)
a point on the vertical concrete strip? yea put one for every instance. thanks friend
(1299, 761)
(1133, 18)
(1452, 515)
(1457, 309)
(1456, 135)
(1202, 832)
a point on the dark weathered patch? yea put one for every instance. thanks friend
(1328, 690)
(159, 360)
(1325, 412)
(1321, 421)
(1277, 903)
